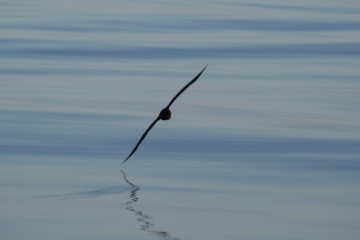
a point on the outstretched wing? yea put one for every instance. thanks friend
(158, 118)
(184, 88)
(141, 139)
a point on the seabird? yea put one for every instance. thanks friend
(164, 114)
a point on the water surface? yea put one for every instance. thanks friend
(265, 145)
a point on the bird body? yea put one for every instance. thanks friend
(164, 114)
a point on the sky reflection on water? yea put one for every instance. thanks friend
(264, 146)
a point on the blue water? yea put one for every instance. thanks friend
(265, 145)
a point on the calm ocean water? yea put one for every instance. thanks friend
(265, 145)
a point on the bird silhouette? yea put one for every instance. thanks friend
(164, 114)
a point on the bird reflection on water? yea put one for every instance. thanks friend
(143, 219)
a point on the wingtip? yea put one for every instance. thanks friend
(203, 69)
(125, 160)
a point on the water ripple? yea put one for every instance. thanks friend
(244, 52)
(188, 25)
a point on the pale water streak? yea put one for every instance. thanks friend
(266, 145)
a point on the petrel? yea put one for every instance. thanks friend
(164, 114)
